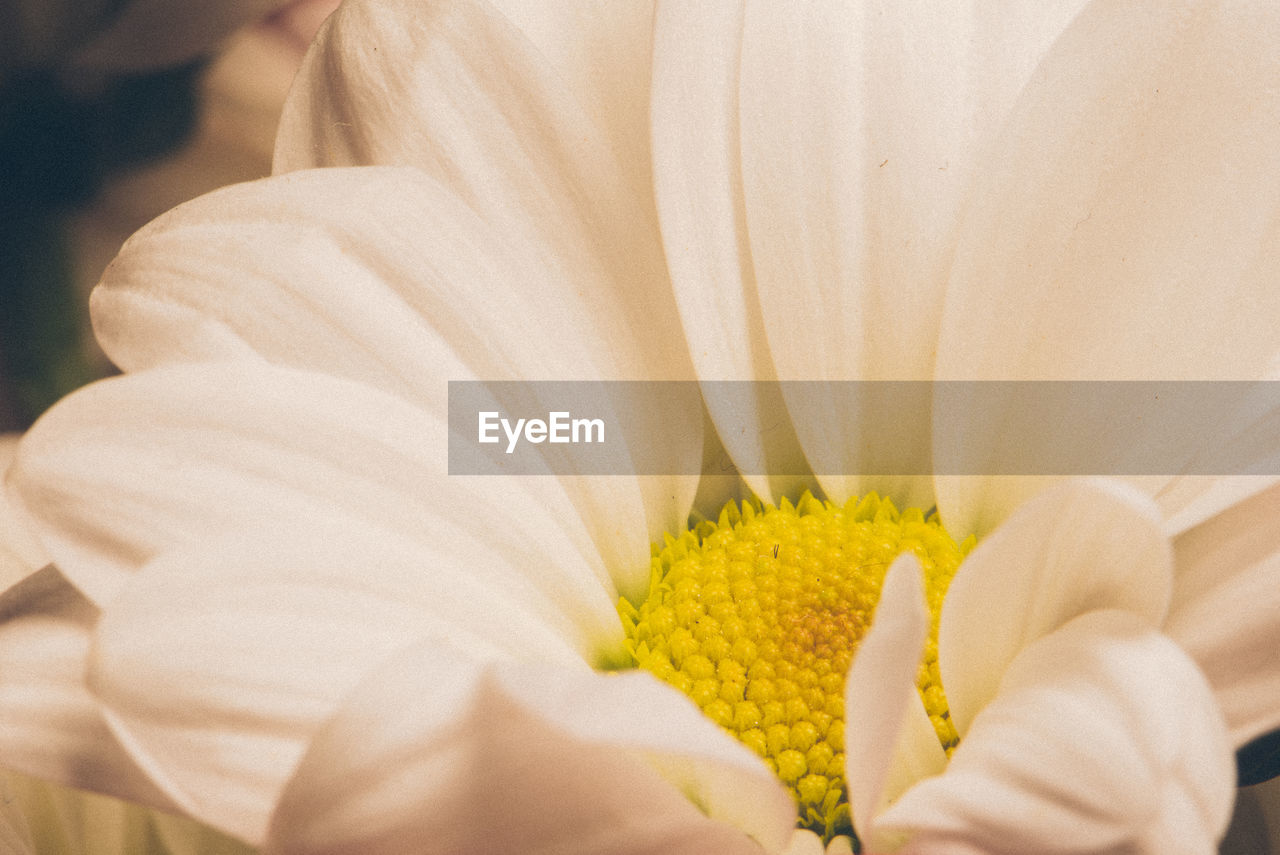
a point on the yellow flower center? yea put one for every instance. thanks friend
(757, 616)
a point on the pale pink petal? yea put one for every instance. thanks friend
(1226, 610)
(1104, 738)
(434, 753)
(53, 727)
(1083, 545)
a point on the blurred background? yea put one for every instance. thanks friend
(112, 112)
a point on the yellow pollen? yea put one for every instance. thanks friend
(757, 616)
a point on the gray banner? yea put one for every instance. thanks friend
(872, 428)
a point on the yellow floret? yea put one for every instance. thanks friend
(757, 616)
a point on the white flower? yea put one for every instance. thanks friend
(288, 621)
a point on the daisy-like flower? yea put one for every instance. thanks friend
(283, 616)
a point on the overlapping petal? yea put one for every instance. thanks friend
(1230, 565)
(53, 725)
(861, 125)
(216, 664)
(1104, 731)
(1133, 225)
(434, 754)
(190, 452)
(1081, 546)
(20, 552)
(391, 280)
(697, 181)
(457, 91)
(883, 751)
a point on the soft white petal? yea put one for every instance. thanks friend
(861, 125)
(20, 552)
(130, 467)
(881, 697)
(1133, 225)
(217, 663)
(697, 178)
(1226, 610)
(434, 753)
(603, 53)
(457, 91)
(384, 276)
(1104, 738)
(53, 727)
(1079, 546)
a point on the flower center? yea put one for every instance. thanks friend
(757, 616)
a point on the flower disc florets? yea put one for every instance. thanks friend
(757, 616)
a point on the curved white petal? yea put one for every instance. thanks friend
(861, 126)
(20, 552)
(884, 752)
(604, 54)
(1133, 225)
(384, 276)
(53, 727)
(1104, 738)
(217, 663)
(1080, 546)
(457, 91)
(1226, 610)
(130, 467)
(434, 753)
(1132, 218)
(698, 181)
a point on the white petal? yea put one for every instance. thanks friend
(1226, 610)
(861, 125)
(458, 92)
(218, 663)
(1104, 739)
(604, 54)
(128, 468)
(53, 727)
(697, 178)
(20, 552)
(883, 755)
(1132, 226)
(384, 276)
(436, 754)
(1080, 546)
